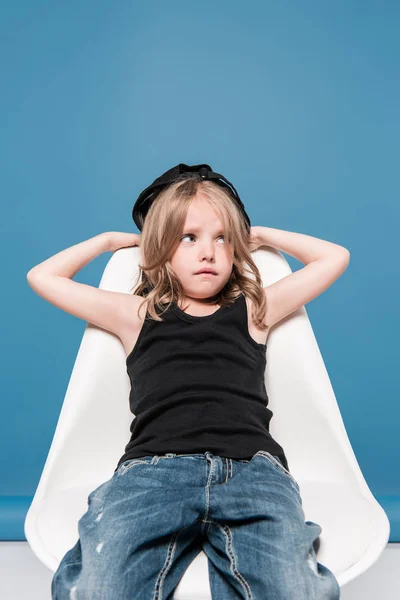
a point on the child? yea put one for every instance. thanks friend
(201, 470)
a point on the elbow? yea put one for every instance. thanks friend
(344, 254)
(347, 255)
(345, 260)
(33, 277)
(30, 275)
(33, 272)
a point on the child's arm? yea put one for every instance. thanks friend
(324, 264)
(52, 280)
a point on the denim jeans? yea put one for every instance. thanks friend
(145, 525)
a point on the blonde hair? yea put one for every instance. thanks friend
(160, 237)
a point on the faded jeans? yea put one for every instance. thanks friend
(145, 525)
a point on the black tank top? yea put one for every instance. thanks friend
(197, 385)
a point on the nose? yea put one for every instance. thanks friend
(207, 251)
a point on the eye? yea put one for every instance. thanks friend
(192, 235)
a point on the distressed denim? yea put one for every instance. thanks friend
(145, 525)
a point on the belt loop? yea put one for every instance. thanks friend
(209, 457)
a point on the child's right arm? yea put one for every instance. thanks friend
(52, 280)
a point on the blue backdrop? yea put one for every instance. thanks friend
(295, 103)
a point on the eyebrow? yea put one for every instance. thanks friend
(196, 229)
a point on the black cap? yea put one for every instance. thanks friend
(146, 198)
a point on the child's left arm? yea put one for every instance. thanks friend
(324, 263)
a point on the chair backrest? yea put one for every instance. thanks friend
(94, 423)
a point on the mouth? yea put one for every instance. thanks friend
(206, 273)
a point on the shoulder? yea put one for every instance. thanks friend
(249, 305)
(136, 310)
(258, 335)
(133, 313)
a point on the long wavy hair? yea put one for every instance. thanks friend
(160, 237)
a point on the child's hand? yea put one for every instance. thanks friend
(255, 239)
(118, 239)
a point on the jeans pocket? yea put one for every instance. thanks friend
(274, 460)
(131, 462)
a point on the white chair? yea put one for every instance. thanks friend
(306, 422)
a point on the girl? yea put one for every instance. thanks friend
(201, 470)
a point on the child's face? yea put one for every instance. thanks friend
(202, 244)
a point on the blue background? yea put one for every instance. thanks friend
(295, 103)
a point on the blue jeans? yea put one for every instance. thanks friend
(145, 525)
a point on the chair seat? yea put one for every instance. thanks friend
(347, 518)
